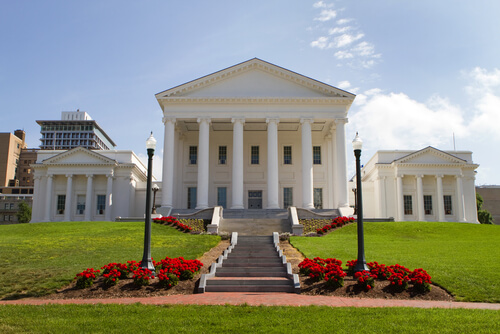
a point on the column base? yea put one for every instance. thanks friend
(237, 207)
(346, 211)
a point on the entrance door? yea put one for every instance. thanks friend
(255, 199)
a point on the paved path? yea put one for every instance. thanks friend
(255, 299)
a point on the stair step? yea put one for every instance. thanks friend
(249, 288)
(253, 260)
(250, 265)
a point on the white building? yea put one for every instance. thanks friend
(424, 185)
(255, 136)
(84, 185)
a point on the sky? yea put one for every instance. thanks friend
(426, 73)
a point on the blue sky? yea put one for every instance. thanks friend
(422, 71)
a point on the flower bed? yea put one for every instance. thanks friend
(400, 277)
(186, 225)
(323, 226)
(170, 271)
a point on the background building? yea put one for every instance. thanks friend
(11, 146)
(75, 129)
(491, 198)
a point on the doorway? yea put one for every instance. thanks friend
(255, 199)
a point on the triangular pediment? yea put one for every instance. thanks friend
(255, 78)
(429, 155)
(79, 156)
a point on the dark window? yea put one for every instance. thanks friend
(408, 205)
(448, 209)
(61, 202)
(318, 198)
(428, 204)
(255, 155)
(193, 155)
(317, 155)
(287, 197)
(101, 204)
(191, 198)
(221, 196)
(287, 155)
(222, 155)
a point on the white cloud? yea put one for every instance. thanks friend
(343, 21)
(320, 43)
(322, 4)
(344, 85)
(365, 49)
(346, 39)
(343, 55)
(326, 15)
(339, 30)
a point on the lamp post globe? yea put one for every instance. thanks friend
(357, 145)
(147, 262)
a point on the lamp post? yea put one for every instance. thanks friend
(357, 144)
(146, 262)
(155, 189)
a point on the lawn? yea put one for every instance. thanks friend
(40, 258)
(242, 319)
(463, 258)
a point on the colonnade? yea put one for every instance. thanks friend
(237, 180)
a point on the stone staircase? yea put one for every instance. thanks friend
(251, 264)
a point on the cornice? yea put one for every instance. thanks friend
(256, 100)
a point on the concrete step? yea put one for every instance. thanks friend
(254, 227)
(251, 272)
(258, 284)
(253, 261)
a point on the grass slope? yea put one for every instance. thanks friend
(36, 259)
(242, 319)
(463, 258)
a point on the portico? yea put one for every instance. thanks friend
(252, 131)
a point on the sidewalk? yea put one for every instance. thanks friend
(256, 299)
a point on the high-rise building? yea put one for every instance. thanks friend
(76, 128)
(10, 152)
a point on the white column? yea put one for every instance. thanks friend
(88, 198)
(343, 191)
(333, 161)
(109, 198)
(377, 199)
(48, 198)
(167, 188)
(460, 199)
(440, 199)
(67, 203)
(399, 195)
(307, 164)
(420, 199)
(237, 177)
(272, 164)
(203, 163)
(383, 199)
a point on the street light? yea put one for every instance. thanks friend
(146, 262)
(357, 144)
(155, 189)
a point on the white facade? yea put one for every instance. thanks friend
(424, 185)
(88, 185)
(255, 135)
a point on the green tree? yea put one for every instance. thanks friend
(24, 213)
(484, 216)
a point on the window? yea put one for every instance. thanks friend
(287, 197)
(221, 196)
(101, 204)
(193, 155)
(61, 202)
(317, 155)
(222, 155)
(408, 205)
(6, 206)
(191, 198)
(318, 198)
(447, 205)
(80, 204)
(428, 204)
(254, 160)
(287, 155)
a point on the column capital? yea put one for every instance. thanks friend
(110, 175)
(306, 120)
(89, 176)
(273, 120)
(204, 119)
(50, 176)
(69, 175)
(341, 121)
(459, 176)
(439, 176)
(419, 176)
(238, 120)
(168, 119)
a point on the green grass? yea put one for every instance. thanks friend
(242, 319)
(463, 258)
(36, 259)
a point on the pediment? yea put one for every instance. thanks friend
(429, 155)
(79, 156)
(255, 78)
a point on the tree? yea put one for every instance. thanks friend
(24, 213)
(484, 216)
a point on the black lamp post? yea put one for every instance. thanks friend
(155, 189)
(357, 144)
(146, 262)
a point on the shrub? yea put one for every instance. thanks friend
(366, 280)
(167, 279)
(112, 277)
(121, 267)
(334, 275)
(142, 276)
(421, 280)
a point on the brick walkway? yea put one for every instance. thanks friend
(255, 299)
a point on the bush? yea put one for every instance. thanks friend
(24, 213)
